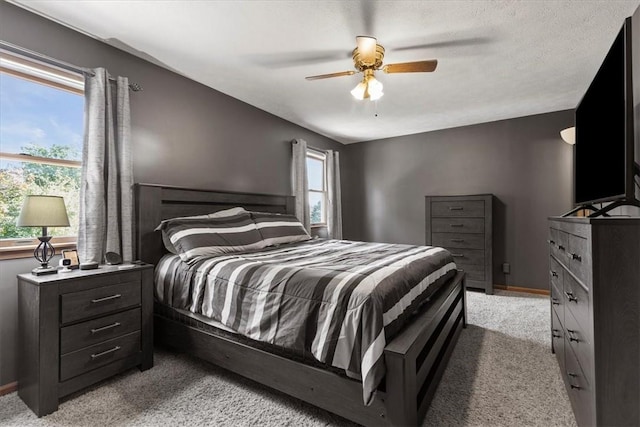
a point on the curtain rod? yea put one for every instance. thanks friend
(135, 87)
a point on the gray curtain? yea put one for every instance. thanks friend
(106, 209)
(300, 182)
(334, 207)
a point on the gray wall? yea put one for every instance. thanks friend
(523, 162)
(183, 133)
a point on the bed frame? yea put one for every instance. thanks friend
(415, 359)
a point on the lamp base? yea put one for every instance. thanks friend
(41, 271)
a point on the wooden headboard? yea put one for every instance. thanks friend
(154, 203)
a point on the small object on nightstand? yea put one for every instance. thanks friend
(126, 266)
(88, 266)
(112, 258)
(65, 263)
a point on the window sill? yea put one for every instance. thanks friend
(26, 251)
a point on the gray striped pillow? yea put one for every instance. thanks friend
(212, 236)
(279, 228)
(219, 214)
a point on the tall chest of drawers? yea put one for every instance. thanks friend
(463, 225)
(594, 270)
(79, 328)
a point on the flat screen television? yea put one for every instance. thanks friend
(605, 163)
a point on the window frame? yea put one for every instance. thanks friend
(39, 73)
(321, 156)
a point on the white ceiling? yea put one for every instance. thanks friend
(497, 59)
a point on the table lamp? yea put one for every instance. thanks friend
(43, 211)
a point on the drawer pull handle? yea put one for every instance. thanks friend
(576, 257)
(571, 297)
(555, 334)
(457, 240)
(457, 225)
(561, 247)
(554, 274)
(104, 328)
(571, 335)
(552, 242)
(456, 208)
(457, 255)
(575, 387)
(104, 353)
(116, 296)
(555, 301)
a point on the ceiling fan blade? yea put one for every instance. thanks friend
(411, 67)
(327, 76)
(367, 48)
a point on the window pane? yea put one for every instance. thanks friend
(46, 122)
(315, 174)
(317, 208)
(40, 120)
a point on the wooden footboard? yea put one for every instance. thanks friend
(415, 362)
(416, 358)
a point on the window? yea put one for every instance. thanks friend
(41, 132)
(317, 178)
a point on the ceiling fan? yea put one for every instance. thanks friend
(367, 59)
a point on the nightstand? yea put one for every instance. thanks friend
(81, 327)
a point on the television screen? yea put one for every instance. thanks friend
(601, 144)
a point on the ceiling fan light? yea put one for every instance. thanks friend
(374, 89)
(358, 92)
(367, 48)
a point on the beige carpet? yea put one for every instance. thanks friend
(502, 373)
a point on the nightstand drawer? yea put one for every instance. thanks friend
(95, 331)
(81, 361)
(468, 208)
(467, 256)
(93, 302)
(459, 240)
(457, 225)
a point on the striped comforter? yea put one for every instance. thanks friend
(339, 300)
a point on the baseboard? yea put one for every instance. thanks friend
(8, 388)
(519, 289)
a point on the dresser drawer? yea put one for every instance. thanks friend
(459, 240)
(579, 340)
(557, 339)
(467, 256)
(561, 245)
(556, 273)
(579, 390)
(81, 361)
(473, 272)
(449, 208)
(557, 299)
(579, 258)
(457, 225)
(93, 302)
(576, 300)
(95, 331)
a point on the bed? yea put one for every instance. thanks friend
(414, 359)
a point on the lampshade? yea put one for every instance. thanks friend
(43, 211)
(568, 135)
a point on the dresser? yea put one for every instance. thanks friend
(594, 271)
(463, 225)
(81, 327)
